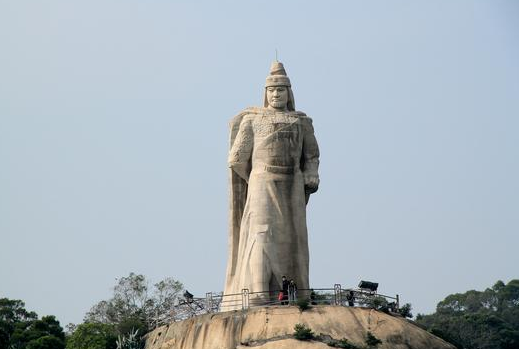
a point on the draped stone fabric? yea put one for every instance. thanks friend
(271, 152)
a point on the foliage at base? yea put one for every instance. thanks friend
(130, 341)
(372, 341)
(303, 333)
(342, 343)
(303, 304)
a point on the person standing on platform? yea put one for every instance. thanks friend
(292, 292)
(285, 284)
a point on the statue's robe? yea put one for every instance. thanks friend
(270, 155)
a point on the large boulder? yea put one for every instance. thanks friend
(273, 328)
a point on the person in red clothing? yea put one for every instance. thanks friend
(285, 284)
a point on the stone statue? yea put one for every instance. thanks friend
(273, 159)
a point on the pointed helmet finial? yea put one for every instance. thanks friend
(278, 75)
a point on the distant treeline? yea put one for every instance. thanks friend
(486, 319)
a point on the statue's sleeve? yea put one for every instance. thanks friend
(310, 151)
(241, 150)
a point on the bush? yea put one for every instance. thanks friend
(303, 333)
(378, 303)
(405, 310)
(93, 336)
(372, 341)
(303, 304)
(342, 343)
(130, 341)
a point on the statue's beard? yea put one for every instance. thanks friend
(278, 104)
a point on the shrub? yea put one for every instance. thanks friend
(129, 341)
(378, 303)
(303, 304)
(342, 343)
(405, 310)
(372, 341)
(303, 333)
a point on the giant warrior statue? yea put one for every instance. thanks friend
(273, 162)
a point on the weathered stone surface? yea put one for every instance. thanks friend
(274, 161)
(273, 328)
(288, 344)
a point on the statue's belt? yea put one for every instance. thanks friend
(277, 169)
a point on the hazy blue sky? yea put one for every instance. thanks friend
(113, 141)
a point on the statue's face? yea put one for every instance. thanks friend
(277, 97)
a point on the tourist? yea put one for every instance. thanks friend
(285, 285)
(351, 298)
(292, 292)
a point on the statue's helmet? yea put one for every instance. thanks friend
(278, 77)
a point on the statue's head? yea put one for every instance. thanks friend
(278, 92)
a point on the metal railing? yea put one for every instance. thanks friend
(219, 302)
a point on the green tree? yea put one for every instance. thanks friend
(31, 331)
(135, 304)
(478, 319)
(20, 329)
(4, 335)
(405, 310)
(46, 342)
(93, 336)
(12, 312)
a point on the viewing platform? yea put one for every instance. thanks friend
(217, 302)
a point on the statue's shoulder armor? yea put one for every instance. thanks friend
(300, 114)
(249, 112)
(305, 119)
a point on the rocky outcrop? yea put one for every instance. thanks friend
(273, 328)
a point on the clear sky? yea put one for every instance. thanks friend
(113, 141)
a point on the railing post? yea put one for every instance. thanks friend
(209, 302)
(245, 298)
(337, 292)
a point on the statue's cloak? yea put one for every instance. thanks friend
(237, 199)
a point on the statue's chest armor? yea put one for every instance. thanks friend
(277, 138)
